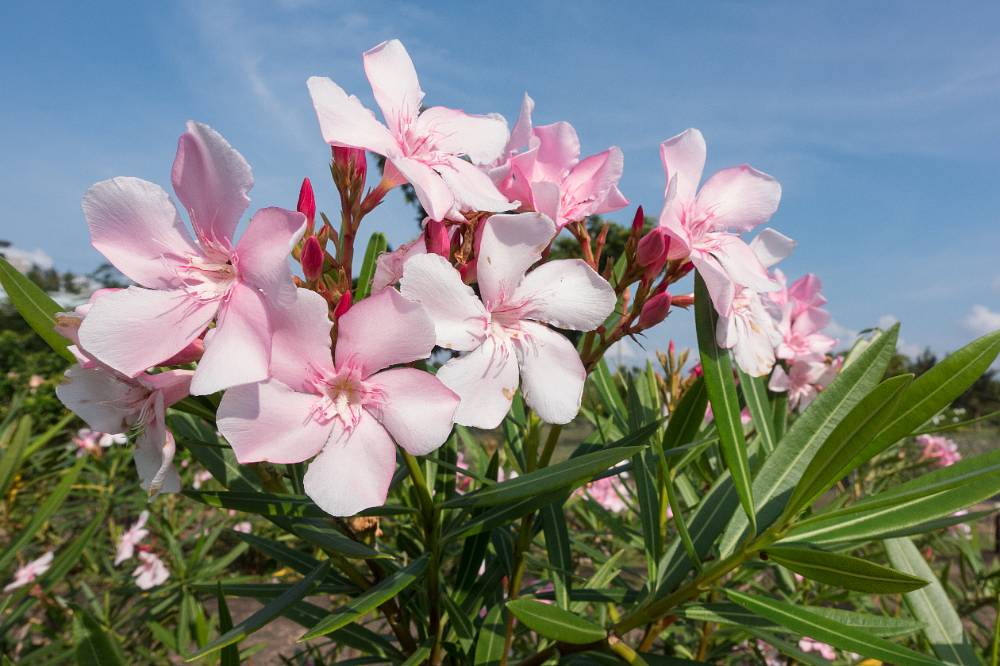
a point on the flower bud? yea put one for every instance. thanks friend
(307, 203)
(436, 238)
(343, 305)
(654, 310)
(638, 221)
(671, 348)
(652, 251)
(312, 259)
(353, 161)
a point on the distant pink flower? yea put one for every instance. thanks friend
(804, 379)
(462, 482)
(243, 527)
(91, 442)
(345, 411)
(824, 650)
(201, 477)
(770, 653)
(131, 538)
(30, 572)
(610, 492)
(941, 449)
(802, 319)
(541, 168)
(150, 572)
(423, 148)
(963, 529)
(504, 334)
(186, 284)
(704, 224)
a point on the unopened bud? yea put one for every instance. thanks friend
(312, 259)
(639, 220)
(307, 203)
(671, 348)
(343, 305)
(353, 161)
(654, 310)
(652, 251)
(436, 238)
(686, 268)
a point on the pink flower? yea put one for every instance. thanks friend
(421, 148)
(345, 411)
(940, 449)
(505, 334)
(462, 482)
(244, 527)
(111, 402)
(610, 492)
(186, 284)
(200, 477)
(541, 167)
(91, 442)
(804, 380)
(802, 318)
(30, 572)
(809, 645)
(703, 224)
(770, 653)
(131, 538)
(150, 572)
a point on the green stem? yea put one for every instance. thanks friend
(431, 529)
(627, 654)
(550, 445)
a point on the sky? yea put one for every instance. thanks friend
(880, 120)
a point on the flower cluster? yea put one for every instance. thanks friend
(940, 450)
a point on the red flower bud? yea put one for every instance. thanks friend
(312, 259)
(343, 305)
(671, 348)
(353, 161)
(639, 220)
(307, 202)
(436, 238)
(654, 310)
(652, 251)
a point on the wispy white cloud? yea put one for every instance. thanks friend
(981, 320)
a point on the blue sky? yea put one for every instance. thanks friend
(881, 120)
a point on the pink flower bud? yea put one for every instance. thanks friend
(654, 310)
(671, 348)
(436, 238)
(638, 220)
(307, 202)
(353, 161)
(312, 259)
(652, 251)
(343, 305)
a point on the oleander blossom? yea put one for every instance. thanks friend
(343, 412)
(505, 335)
(703, 224)
(151, 571)
(30, 572)
(541, 168)
(185, 284)
(804, 379)
(802, 318)
(131, 538)
(91, 442)
(610, 492)
(424, 148)
(824, 650)
(940, 449)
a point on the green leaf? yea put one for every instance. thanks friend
(376, 246)
(782, 469)
(848, 444)
(556, 623)
(489, 645)
(95, 646)
(609, 394)
(501, 515)
(885, 626)
(754, 391)
(850, 573)
(264, 504)
(334, 541)
(559, 477)
(725, 403)
(266, 614)
(13, 442)
(35, 306)
(230, 655)
(686, 418)
(557, 546)
(370, 599)
(829, 631)
(930, 605)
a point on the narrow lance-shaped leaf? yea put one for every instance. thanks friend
(489, 645)
(95, 646)
(35, 306)
(558, 547)
(754, 391)
(686, 418)
(718, 374)
(230, 655)
(556, 623)
(376, 246)
(850, 573)
(885, 626)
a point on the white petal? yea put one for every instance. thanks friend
(552, 375)
(485, 379)
(566, 293)
(459, 316)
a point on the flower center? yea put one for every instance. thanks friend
(343, 395)
(207, 278)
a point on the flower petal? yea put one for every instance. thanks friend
(344, 121)
(212, 180)
(741, 264)
(739, 198)
(135, 329)
(271, 422)
(510, 245)
(521, 134)
(418, 410)
(482, 138)
(154, 454)
(383, 330)
(458, 315)
(552, 375)
(433, 193)
(262, 254)
(354, 469)
(389, 265)
(135, 225)
(100, 397)
(720, 287)
(238, 349)
(394, 82)
(588, 184)
(485, 379)
(471, 187)
(566, 293)
(558, 151)
(301, 339)
(683, 158)
(771, 246)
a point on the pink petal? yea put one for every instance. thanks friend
(212, 180)
(566, 293)
(135, 329)
(434, 194)
(510, 245)
(770, 247)
(354, 469)
(683, 158)
(588, 184)
(485, 379)
(741, 264)
(238, 350)
(720, 286)
(271, 422)
(135, 225)
(546, 198)
(779, 382)
(558, 151)
(301, 340)
(175, 385)
(615, 200)
(100, 397)
(383, 330)
(345, 122)
(418, 410)
(394, 82)
(521, 134)
(389, 265)
(458, 315)
(262, 254)
(552, 375)
(153, 456)
(482, 138)
(472, 188)
(739, 198)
